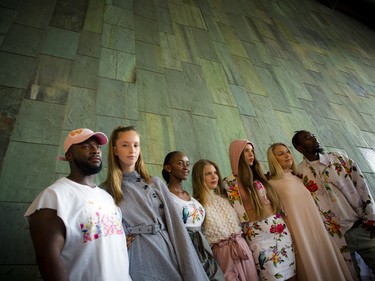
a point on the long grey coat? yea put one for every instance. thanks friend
(167, 255)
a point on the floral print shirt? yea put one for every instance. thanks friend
(343, 174)
(231, 186)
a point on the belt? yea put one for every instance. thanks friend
(145, 229)
(357, 223)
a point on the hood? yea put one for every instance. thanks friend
(235, 149)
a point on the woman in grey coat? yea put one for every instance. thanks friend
(162, 249)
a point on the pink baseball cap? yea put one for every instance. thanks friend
(80, 135)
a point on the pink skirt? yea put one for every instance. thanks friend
(271, 243)
(235, 259)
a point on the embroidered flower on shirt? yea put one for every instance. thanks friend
(310, 184)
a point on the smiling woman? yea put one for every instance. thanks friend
(176, 169)
(317, 258)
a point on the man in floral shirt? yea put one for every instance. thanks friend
(341, 195)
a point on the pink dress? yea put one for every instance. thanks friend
(317, 257)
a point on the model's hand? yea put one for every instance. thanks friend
(129, 239)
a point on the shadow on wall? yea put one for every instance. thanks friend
(362, 10)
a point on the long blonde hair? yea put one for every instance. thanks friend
(247, 175)
(201, 191)
(114, 173)
(276, 171)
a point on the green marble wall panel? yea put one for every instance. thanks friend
(146, 30)
(60, 43)
(118, 16)
(80, 109)
(205, 48)
(302, 55)
(214, 29)
(232, 40)
(126, 4)
(243, 102)
(276, 50)
(265, 53)
(117, 65)
(85, 72)
(243, 30)
(291, 86)
(320, 98)
(39, 122)
(148, 56)
(178, 94)
(11, 100)
(69, 14)
(254, 54)
(216, 83)
(7, 18)
(369, 155)
(363, 104)
(118, 38)
(35, 13)
(16, 246)
(94, 16)
(19, 272)
(186, 15)
(23, 40)
(284, 27)
(210, 144)
(51, 80)
(370, 182)
(219, 12)
(200, 97)
(272, 89)
(232, 74)
(37, 170)
(370, 119)
(370, 138)
(184, 134)
(112, 92)
(249, 75)
(229, 123)
(156, 137)
(16, 70)
(169, 51)
(152, 92)
(185, 43)
(164, 19)
(263, 28)
(89, 44)
(145, 8)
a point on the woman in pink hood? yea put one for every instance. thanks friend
(258, 208)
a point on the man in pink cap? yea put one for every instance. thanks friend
(75, 226)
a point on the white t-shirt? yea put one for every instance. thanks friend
(95, 244)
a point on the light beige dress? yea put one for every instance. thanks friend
(317, 257)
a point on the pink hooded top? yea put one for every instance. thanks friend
(233, 186)
(235, 149)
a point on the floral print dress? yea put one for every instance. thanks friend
(269, 239)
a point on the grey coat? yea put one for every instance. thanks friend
(166, 254)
